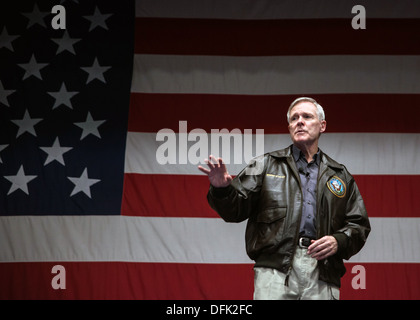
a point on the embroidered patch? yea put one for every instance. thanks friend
(275, 176)
(337, 186)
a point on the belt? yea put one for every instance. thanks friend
(304, 242)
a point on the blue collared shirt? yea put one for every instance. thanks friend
(308, 173)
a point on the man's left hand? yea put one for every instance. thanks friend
(323, 247)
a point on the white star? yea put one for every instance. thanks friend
(82, 184)
(32, 68)
(26, 124)
(6, 40)
(55, 152)
(4, 94)
(97, 19)
(19, 181)
(95, 71)
(65, 43)
(63, 97)
(2, 146)
(36, 17)
(90, 126)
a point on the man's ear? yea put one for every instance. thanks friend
(323, 126)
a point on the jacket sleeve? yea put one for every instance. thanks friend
(236, 202)
(352, 237)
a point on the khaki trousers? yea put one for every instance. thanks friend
(269, 284)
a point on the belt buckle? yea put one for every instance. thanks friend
(301, 243)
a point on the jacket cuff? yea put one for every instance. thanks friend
(221, 192)
(342, 242)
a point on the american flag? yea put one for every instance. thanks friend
(81, 181)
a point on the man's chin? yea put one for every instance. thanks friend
(300, 140)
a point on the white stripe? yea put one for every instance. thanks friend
(276, 74)
(361, 153)
(119, 238)
(274, 9)
(392, 240)
(181, 240)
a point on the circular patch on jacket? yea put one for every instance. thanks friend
(337, 186)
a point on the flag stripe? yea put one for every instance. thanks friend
(276, 75)
(171, 240)
(144, 196)
(363, 153)
(272, 9)
(173, 281)
(127, 280)
(275, 37)
(344, 112)
(163, 195)
(384, 281)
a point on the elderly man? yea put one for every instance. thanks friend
(305, 213)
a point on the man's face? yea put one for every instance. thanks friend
(305, 126)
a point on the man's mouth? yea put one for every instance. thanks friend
(300, 131)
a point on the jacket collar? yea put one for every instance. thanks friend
(288, 153)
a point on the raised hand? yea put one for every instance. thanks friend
(217, 172)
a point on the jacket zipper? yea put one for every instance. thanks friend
(289, 271)
(318, 205)
(318, 202)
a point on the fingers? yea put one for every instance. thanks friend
(217, 162)
(213, 163)
(209, 163)
(222, 165)
(323, 248)
(202, 169)
(322, 254)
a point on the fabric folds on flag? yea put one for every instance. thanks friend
(89, 176)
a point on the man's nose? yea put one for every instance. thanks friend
(300, 121)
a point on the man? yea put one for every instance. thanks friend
(305, 213)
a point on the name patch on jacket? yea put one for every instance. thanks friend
(337, 186)
(275, 176)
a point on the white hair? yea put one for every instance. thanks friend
(319, 109)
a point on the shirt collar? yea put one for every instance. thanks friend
(297, 153)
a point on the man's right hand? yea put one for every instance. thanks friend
(217, 172)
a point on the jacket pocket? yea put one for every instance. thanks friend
(271, 215)
(268, 230)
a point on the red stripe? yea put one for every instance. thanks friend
(125, 280)
(166, 196)
(344, 112)
(185, 195)
(275, 37)
(172, 281)
(394, 281)
(390, 195)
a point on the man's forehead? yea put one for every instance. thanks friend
(304, 106)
